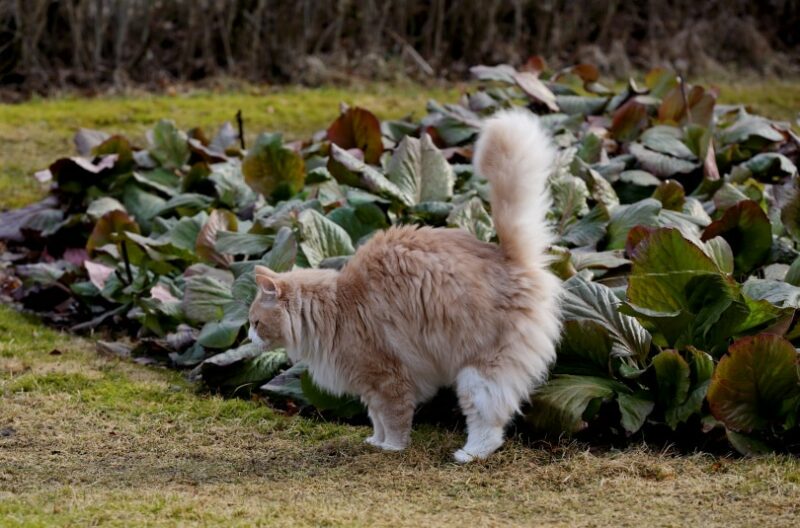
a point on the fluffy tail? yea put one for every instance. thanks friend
(515, 153)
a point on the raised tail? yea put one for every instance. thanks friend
(515, 153)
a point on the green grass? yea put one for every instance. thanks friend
(100, 441)
(36, 133)
(93, 440)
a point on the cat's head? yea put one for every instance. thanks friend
(269, 313)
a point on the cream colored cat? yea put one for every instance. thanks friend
(419, 308)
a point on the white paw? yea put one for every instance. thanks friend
(462, 457)
(387, 446)
(373, 441)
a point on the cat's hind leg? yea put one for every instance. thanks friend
(488, 406)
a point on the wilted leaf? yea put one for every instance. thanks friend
(535, 89)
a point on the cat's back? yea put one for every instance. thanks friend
(411, 251)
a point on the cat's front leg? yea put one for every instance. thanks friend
(378, 436)
(391, 418)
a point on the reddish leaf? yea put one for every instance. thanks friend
(358, 128)
(753, 382)
(671, 195)
(218, 220)
(636, 236)
(109, 228)
(629, 121)
(747, 230)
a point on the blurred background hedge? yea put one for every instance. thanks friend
(54, 44)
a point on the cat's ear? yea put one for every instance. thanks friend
(270, 290)
(263, 270)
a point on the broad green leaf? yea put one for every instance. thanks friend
(673, 383)
(343, 406)
(103, 205)
(322, 238)
(667, 140)
(594, 302)
(753, 383)
(559, 405)
(793, 274)
(766, 166)
(349, 170)
(185, 204)
(626, 217)
(229, 182)
(420, 171)
(578, 104)
(162, 180)
(272, 169)
(590, 229)
(242, 369)
(790, 212)
(168, 145)
(634, 410)
(721, 253)
(219, 334)
(471, 215)
(661, 165)
(142, 205)
(570, 195)
(664, 264)
(585, 348)
(779, 293)
(747, 127)
(232, 243)
(598, 259)
(204, 298)
(747, 445)
(286, 385)
(359, 220)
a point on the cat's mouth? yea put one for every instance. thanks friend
(252, 334)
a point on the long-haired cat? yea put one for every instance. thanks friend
(418, 308)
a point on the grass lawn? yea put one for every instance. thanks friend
(87, 439)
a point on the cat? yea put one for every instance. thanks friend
(419, 308)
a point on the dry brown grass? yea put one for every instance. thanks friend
(98, 441)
